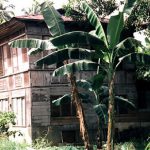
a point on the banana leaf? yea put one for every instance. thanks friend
(65, 54)
(82, 65)
(53, 19)
(94, 20)
(80, 38)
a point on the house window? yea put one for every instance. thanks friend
(69, 136)
(143, 92)
(63, 110)
(1, 61)
(3, 105)
(18, 106)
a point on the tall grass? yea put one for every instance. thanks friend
(6, 144)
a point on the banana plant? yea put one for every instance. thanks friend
(113, 52)
(99, 101)
(108, 51)
(56, 26)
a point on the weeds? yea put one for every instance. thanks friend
(6, 144)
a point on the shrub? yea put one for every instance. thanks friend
(6, 118)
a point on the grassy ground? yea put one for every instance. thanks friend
(5, 144)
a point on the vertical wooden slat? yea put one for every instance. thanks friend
(15, 60)
(4, 105)
(19, 112)
(8, 56)
(26, 79)
(24, 55)
(15, 109)
(23, 112)
(1, 61)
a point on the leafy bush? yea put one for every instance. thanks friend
(6, 118)
(148, 145)
(41, 143)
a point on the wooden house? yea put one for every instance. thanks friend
(29, 90)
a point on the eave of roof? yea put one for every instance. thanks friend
(39, 18)
(18, 22)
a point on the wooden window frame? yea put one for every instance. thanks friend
(16, 111)
(59, 109)
(2, 105)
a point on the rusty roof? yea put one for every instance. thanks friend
(39, 17)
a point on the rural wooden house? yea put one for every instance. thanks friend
(29, 90)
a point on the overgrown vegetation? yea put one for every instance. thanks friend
(108, 52)
(6, 144)
(140, 16)
(6, 118)
(101, 7)
(6, 11)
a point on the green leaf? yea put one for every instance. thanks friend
(97, 80)
(64, 99)
(114, 29)
(82, 65)
(34, 51)
(65, 54)
(129, 6)
(67, 98)
(94, 20)
(84, 84)
(53, 19)
(101, 111)
(124, 102)
(104, 91)
(32, 43)
(127, 46)
(84, 97)
(137, 58)
(80, 38)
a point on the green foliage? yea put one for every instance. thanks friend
(114, 29)
(6, 144)
(113, 52)
(52, 19)
(6, 118)
(6, 12)
(101, 7)
(33, 43)
(147, 146)
(81, 65)
(41, 143)
(140, 14)
(78, 39)
(94, 20)
(143, 72)
(64, 99)
(35, 9)
(65, 54)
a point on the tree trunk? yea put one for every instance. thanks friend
(111, 121)
(80, 112)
